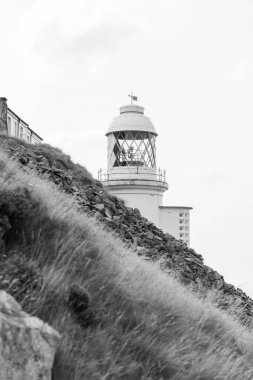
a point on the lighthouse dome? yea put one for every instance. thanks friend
(131, 118)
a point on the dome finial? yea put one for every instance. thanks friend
(133, 97)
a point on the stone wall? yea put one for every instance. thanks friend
(3, 115)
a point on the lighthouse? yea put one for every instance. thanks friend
(132, 173)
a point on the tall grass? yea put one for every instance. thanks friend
(120, 317)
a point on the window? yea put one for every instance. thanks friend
(181, 214)
(9, 125)
(134, 148)
(16, 129)
(181, 235)
(28, 138)
(181, 228)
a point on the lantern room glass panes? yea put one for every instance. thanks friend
(134, 148)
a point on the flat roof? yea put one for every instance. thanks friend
(19, 118)
(187, 207)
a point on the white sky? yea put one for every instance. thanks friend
(67, 66)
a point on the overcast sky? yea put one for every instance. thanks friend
(67, 66)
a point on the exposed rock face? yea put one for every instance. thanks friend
(139, 233)
(27, 345)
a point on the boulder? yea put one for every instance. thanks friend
(27, 345)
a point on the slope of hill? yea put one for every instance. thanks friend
(137, 232)
(120, 316)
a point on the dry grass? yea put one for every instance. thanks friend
(120, 317)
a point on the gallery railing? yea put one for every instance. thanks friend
(132, 173)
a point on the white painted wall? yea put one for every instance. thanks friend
(168, 221)
(18, 128)
(175, 221)
(35, 139)
(146, 200)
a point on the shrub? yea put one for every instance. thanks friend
(21, 278)
(17, 209)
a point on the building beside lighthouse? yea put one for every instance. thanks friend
(132, 173)
(12, 125)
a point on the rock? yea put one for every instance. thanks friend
(108, 214)
(99, 206)
(150, 236)
(138, 241)
(117, 219)
(167, 236)
(142, 251)
(137, 212)
(27, 345)
(158, 238)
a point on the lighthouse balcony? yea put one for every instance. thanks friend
(133, 176)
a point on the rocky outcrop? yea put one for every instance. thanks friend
(137, 232)
(27, 345)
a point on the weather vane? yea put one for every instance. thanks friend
(133, 97)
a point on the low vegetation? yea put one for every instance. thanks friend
(54, 156)
(119, 316)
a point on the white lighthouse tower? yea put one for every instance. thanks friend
(132, 173)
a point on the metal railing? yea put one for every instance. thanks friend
(131, 173)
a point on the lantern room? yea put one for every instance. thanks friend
(131, 139)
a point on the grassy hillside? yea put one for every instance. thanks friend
(137, 232)
(120, 316)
